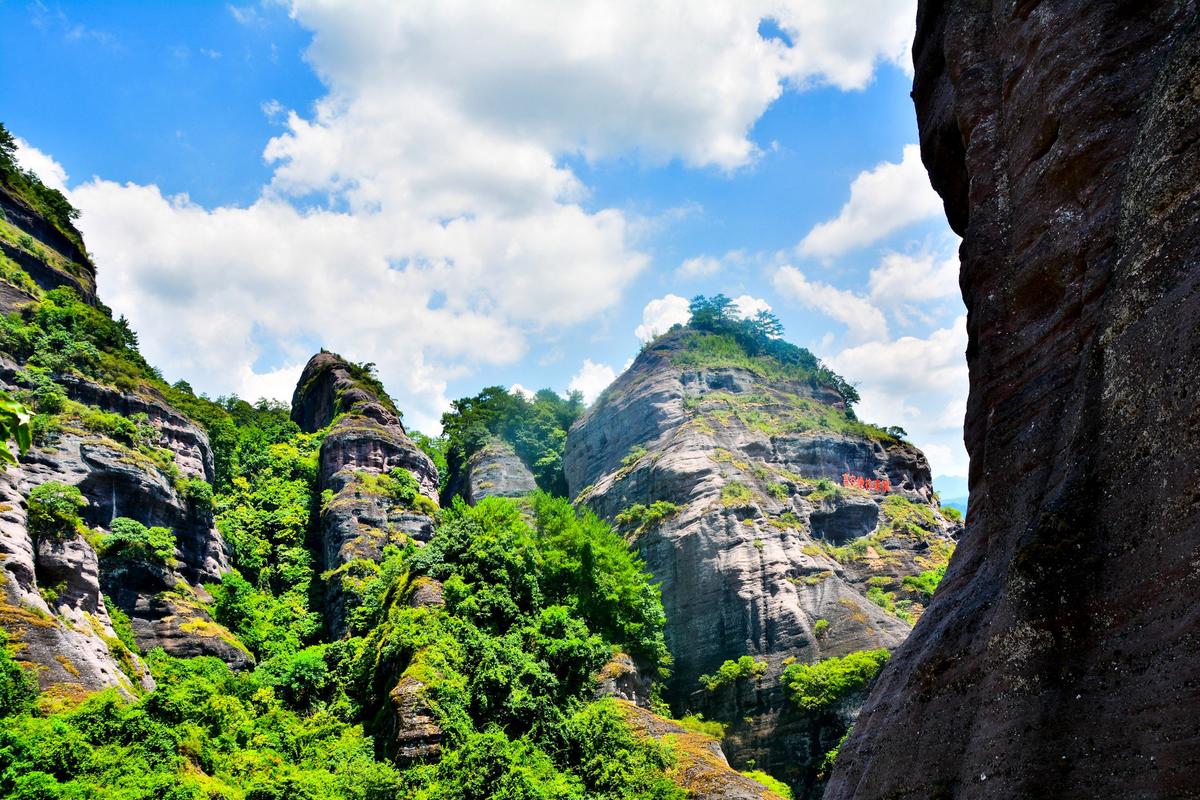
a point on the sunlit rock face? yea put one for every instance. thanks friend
(1059, 656)
(53, 590)
(366, 440)
(759, 542)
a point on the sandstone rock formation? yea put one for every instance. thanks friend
(494, 471)
(365, 509)
(752, 541)
(52, 592)
(74, 643)
(700, 766)
(44, 252)
(1059, 657)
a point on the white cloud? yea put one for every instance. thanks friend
(591, 379)
(607, 77)
(699, 267)
(45, 167)
(882, 200)
(276, 384)
(520, 390)
(659, 315)
(914, 278)
(423, 216)
(864, 322)
(746, 306)
(919, 384)
(706, 266)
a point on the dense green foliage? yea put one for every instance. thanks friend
(62, 334)
(732, 671)
(816, 687)
(204, 733)
(53, 510)
(925, 583)
(536, 429)
(537, 599)
(759, 342)
(130, 540)
(266, 516)
(18, 686)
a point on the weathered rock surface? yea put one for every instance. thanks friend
(66, 638)
(49, 257)
(1059, 659)
(411, 732)
(113, 479)
(494, 471)
(747, 563)
(53, 591)
(623, 679)
(366, 441)
(700, 766)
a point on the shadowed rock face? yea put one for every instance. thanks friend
(365, 442)
(71, 267)
(1059, 657)
(494, 471)
(746, 561)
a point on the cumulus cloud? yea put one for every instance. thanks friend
(863, 321)
(44, 166)
(746, 306)
(591, 379)
(914, 277)
(607, 77)
(659, 315)
(919, 383)
(423, 215)
(882, 200)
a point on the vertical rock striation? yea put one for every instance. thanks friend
(494, 471)
(365, 508)
(1059, 658)
(752, 541)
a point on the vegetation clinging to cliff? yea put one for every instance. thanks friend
(816, 687)
(756, 343)
(536, 429)
(534, 606)
(50, 203)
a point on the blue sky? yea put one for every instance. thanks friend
(469, 199)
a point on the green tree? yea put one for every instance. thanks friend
(53, 510)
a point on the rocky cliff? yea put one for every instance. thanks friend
(130, 455)
(366, 504)
(1059, 657)
(495, 470)
(36, 254)
(724, 474)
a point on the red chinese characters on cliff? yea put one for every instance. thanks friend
(870, 484)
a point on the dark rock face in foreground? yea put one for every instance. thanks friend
(1060, 656)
